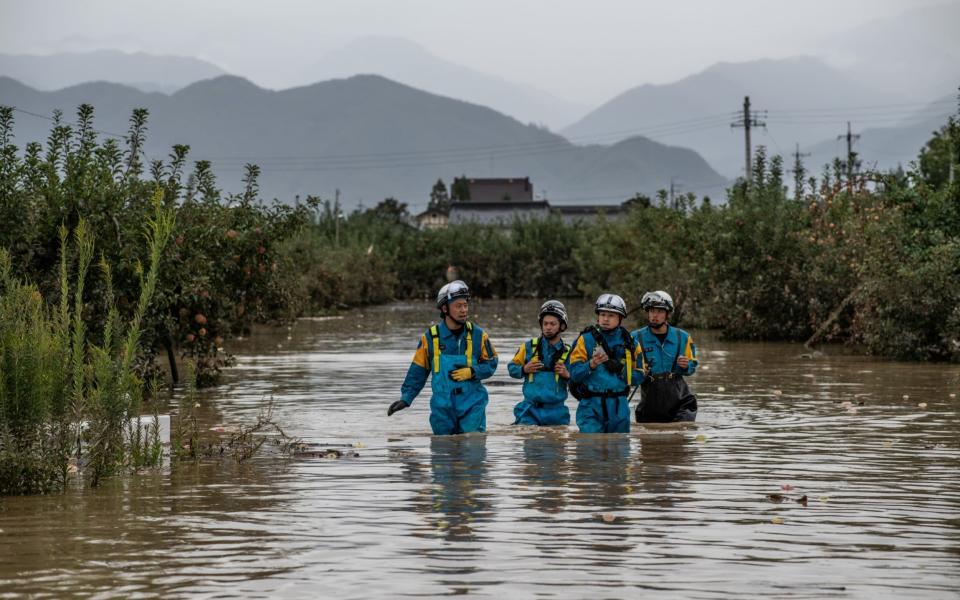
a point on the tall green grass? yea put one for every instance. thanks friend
(63, 397)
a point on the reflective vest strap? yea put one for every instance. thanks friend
(629, 356)
(563, 358)
(469, 344)
(533, 355)
(435, 334)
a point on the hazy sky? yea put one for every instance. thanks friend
(582, 51)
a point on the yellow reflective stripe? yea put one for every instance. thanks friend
(563, 358)
(436, 348)
(629, 356)
(469, 344)
(533, 355)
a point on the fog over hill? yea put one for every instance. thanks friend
(800, 100)
(368, 136)
(146, 72)
(411, 64)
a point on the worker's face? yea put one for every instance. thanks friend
(608, 320)
(656, 317)
(550, 326)
(458, 310)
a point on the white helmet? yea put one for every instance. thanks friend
(452, 291)
(658, 299)
(611, 303)
(555, 308)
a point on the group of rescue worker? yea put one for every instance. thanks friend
(601, 370)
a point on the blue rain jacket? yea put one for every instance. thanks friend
(662, 357)
(455, 407)
(604, 407)
(544, 392)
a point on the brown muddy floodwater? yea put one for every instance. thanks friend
(523, 513)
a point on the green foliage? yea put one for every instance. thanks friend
(223, 273)
(60, 393)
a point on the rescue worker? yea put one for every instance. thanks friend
(667, 355)
(601, 365)
(540, 362)
(457, 355)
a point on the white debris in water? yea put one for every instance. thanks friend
(906, 396)
(777, 392)
(721, 388)
(922, 405)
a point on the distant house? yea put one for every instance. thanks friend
(432, 219)
(517, 189)
(503, 213)
(500, 201)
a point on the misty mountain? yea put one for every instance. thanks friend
(801, 100)
(409, 63)
(885, 147)
(915, 54)
(146, 72)
(368, 136)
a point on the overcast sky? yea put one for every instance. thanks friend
(579, 50)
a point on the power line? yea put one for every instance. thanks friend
(39, 116)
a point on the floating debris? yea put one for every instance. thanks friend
(329, 453)
(721, 389)
(607, 518)
(922, 405)
(777, 520)
(225, 428)
(953, 395)
(824, 499)
(906, 396)
(786, 487)
(777, 392)
(702, 438)
(776, 498)
(802, 500)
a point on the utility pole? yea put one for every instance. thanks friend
(852, 163)
(798, 172)
(336, 219)
(675, 187)
(747, 120)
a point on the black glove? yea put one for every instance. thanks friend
(398, 405)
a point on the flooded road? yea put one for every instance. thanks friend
(706, 512)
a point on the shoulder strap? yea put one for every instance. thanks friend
(533, 354)
(598, 337)
(643, 351)
(469, 344)
(627, 354)
(435, 334)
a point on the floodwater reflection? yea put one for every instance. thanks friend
(526, 512)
